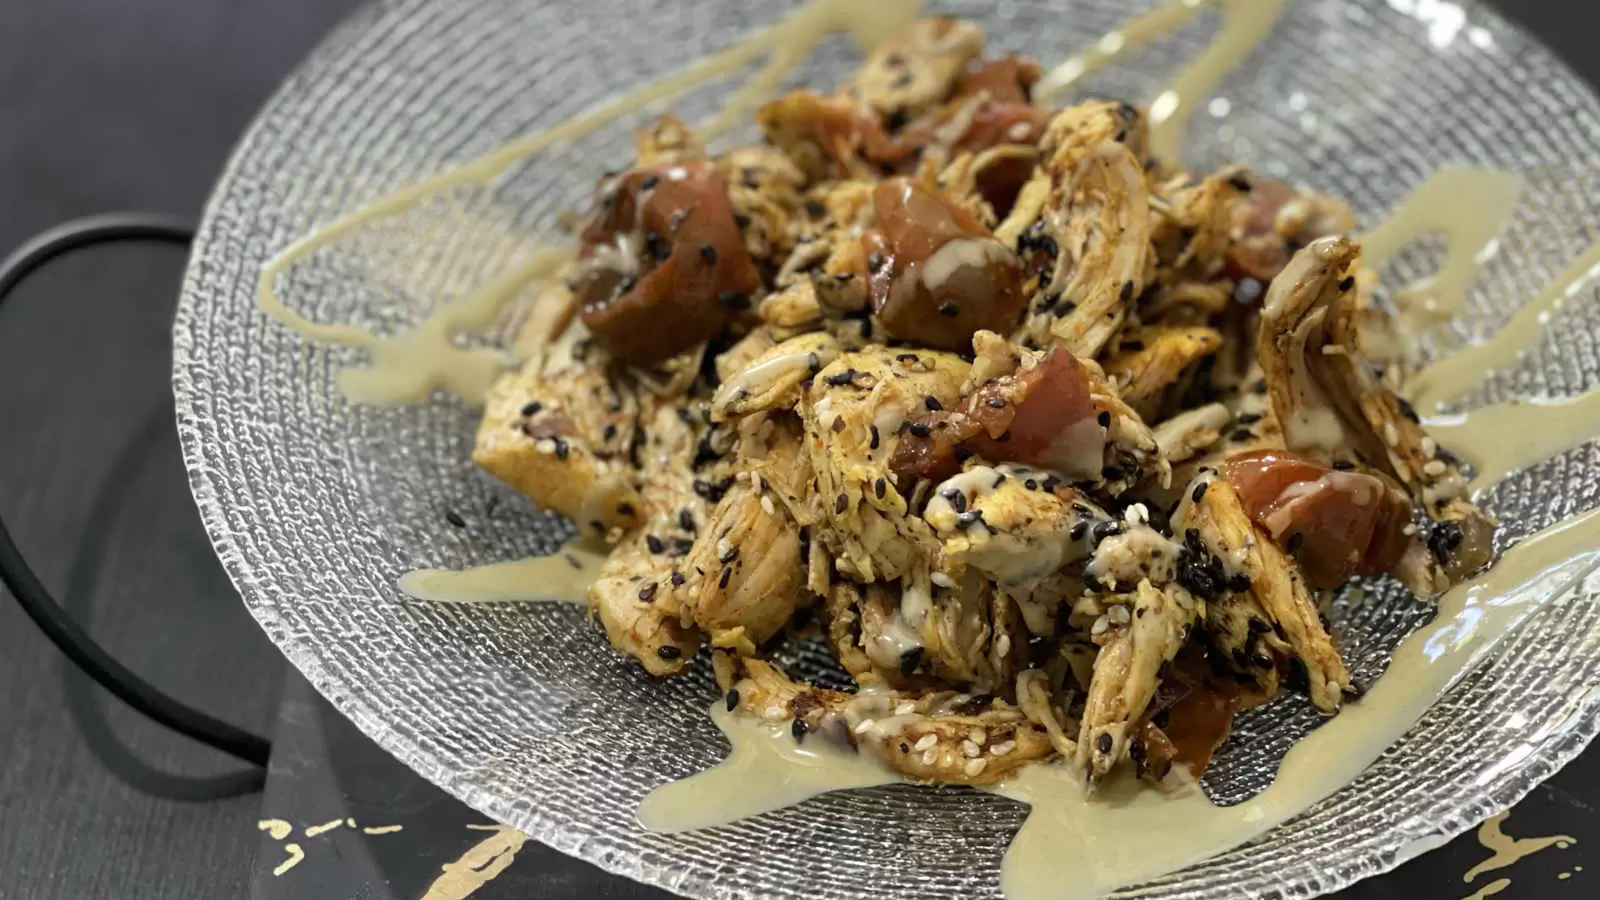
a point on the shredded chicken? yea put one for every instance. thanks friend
(1063, 447)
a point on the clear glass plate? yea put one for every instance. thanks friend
(316, 506)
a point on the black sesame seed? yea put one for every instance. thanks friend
(920, 429)
(649, 182)
(1343, 465)
(653, 543)
(1031, 484)
(970, 518)
(733, 300)
(732, 700)
(656, 246)
(1126, 293)
(677, 579)
(876, 437)
(963, 453)
(839, 504)
(728, 555)
(709, 254)
(722, 581)
(1249, 418)
(562, 449)
(814, 363)
(798, 729)
(1241, 435)
(532, 409)
(995, 403)
(1295, 542)
(874, 261)
(840, 379)
(609, 432)
(957, 498)
(1199, 491)
(1103, 743)
(1104, 419)
(1348, 283)
(909, 660)
(880, 487)
(668, 651)
(948, 309)
(1065, 308)
(1240, 183)
(1106, 528)
(1239, 582)
(1112, 473)
(932, 403)
(648, 592)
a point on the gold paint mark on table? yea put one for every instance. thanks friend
(1507, 850)
(1490, 889)
(482, 863)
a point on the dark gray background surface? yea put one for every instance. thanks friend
(107, 104)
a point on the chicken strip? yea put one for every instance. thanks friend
(1249, 561)
(1136, 639)
(913, 71)
(945, 737)
(1152, 366)
(1332, 407)
(559, 430)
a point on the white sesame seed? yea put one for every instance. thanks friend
(943, 580)
(975, 767)
(905, 709)
(970, 749)
(1002, 645)
(1434, 467)
(977, 735)
(1101, 626)
(926, 741)
(1137, 514)
(1409, 530)
(1391, 435)
(864, 726)
(1002, 748)
(1119, 615)
(774, 713)
(929, 757)
(1430, 447)
(766, 505)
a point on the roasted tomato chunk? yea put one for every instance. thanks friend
(1042, 415)
(1337, 523)
(662, 267)
(936, 274)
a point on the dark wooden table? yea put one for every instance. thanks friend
(107, 105)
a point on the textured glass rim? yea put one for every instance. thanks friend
(1483, 799)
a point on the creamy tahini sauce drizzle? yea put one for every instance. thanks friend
(1469, 207)
(406, 367)
(1506, 437)
(766, 770)
(562, 577)
(1245, 23)
(1452, 377)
